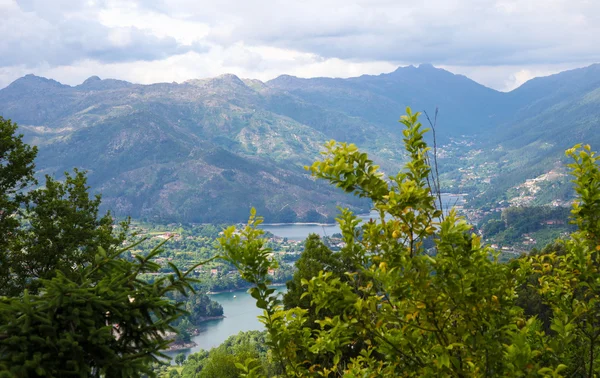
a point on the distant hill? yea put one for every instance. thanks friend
(467, 107)
(545, 116)
(206, 150)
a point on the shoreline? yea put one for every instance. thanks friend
(277, 284)
(362, 215)
(174, 347)
(208, 318)
(177, 347)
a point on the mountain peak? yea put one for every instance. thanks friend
(423, 67)
(227, 79)
(284, 80)
(31, 80)
(230, 78)
(91, 79)
(34, 78)
(95, 83)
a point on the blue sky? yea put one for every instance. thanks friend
(499, 43)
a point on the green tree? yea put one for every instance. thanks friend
(569, 277)
(77, 306)
(315, 258)
(222, 361)
(444, 311)
(62, 231)
(102, 321)
(52, 228)
(183, 331)
(180, 358)
(16, 174)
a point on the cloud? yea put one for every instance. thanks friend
(191, 65)
(499, 43)
(466, 32)
(35, 33)
(509, 77)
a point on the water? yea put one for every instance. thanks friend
(300, 231)
(240, 313)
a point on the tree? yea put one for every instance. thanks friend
(76, 305)
(315, 258)
(442, 311)
(569, 277)
(180, 359)
(43, 230)
(61, 232)
(16, 174)
(222, 361)
(103, 321)
(183, 331)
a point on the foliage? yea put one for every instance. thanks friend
(569, 282)
(16, 174)
(180, 358)
(102, 321)
(416, 314)
(50, 229)
(62, 231)
(316, 257)
(450, 310)
(78, 304)
(199, 306)
(221, 362)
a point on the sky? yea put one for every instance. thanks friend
(498, 43)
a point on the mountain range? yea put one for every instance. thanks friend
(206, 150)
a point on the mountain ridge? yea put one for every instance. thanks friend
(398, 69)
(162, 139)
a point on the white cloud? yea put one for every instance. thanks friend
(500, 43)
(161, 25)
(182, 67)
(35, 33)
(509, 77)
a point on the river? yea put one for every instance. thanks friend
(299, 231)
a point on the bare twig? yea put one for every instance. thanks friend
(436, 177)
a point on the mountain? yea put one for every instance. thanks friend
(561, 109)
(547, 115)
(466, 106)
(201, 151)
(205, 150)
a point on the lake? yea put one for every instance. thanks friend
(240, 313)
(300, 231)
